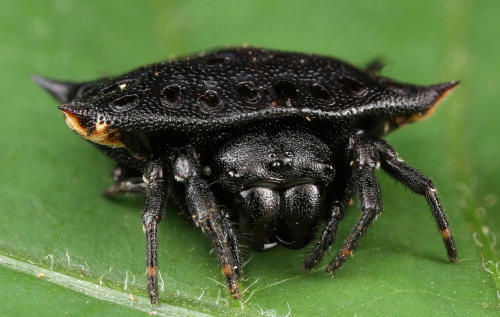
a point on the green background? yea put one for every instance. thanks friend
(50, 180)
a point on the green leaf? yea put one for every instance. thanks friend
(54, 221)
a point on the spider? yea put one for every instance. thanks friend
(253, 142)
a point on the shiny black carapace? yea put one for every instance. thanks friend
(252, 142)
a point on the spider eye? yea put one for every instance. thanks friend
(234, 173)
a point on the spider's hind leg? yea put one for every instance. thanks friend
(421, 185)
(121, 173)
(135, 185)
(127, 181)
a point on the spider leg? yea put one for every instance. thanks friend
(133, 185)
(233, 242)
(121, 173)
(151, 216)
(127, 181)
(421, 185)
(364, 164)
(325, 241)
(207, 215)
(327, 236)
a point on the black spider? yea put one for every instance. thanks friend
(253, 142)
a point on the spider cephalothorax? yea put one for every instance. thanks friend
(278, 183)
(267, 144)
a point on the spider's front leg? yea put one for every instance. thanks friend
(364, 162)
(151, 216)
(327, 236)
(212, 220)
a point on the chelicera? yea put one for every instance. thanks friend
(246, 141)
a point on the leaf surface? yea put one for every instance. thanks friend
(53, 217)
